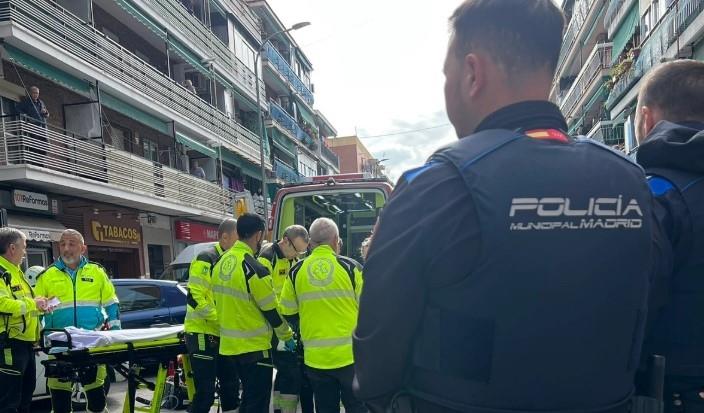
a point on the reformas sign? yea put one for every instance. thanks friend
(30, 200)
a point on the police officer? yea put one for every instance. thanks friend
(19, 325)
(202, 330)
(247, 311)
(324, 290)
(278, 258)
(670, 129)
(86, 297)
(509, 273)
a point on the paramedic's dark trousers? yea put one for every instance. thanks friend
(206, 366)
(329, 386)
(17, 376)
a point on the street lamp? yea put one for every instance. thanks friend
(259, 110)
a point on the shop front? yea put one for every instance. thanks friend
(34, 213)
(157, 242)
(114, 240)
(190, 232)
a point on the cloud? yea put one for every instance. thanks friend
(404, 151)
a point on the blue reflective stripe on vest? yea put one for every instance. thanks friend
(412, 174)
(659, 186)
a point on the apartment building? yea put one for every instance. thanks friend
(152, 136)
(608, 46)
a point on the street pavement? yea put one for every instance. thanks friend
(116, 399)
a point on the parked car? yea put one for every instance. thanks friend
(177, 270)
(146, 302)
(143, 303)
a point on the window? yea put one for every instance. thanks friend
(138, 297)
(645, 23)
(244, 52)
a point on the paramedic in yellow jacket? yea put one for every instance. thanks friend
(86, 295)
(19, 325)
(323, 291)
(247, 313)
(202, 329)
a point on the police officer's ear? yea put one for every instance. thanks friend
(646, 119)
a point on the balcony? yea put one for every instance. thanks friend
(329, 156)
(71, 38)
(607, 132)
(655, 45)
(615, 13)
(284, 69)
(286, 173)
(580, 14)
(287, 122)
(191, 30)
(246, 16)
(56, 158)
(595, 70)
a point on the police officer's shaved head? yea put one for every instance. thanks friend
(324, 231)
(297, 231)
(227, 226)
(674, 92)
(521, 35)
(501, 52)
(227, 233)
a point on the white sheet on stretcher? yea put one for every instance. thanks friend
(81, 338)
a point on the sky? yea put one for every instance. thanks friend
(377, 70)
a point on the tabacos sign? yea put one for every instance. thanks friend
(114, 233)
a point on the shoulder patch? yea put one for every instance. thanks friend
(99, 266)
(411, 174)
(209, 255)
(659, 186)
(255, 267)
(268, 253)
(294, 271)
(352, 263)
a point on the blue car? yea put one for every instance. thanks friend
(148, 302)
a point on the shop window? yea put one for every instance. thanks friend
(138, 297)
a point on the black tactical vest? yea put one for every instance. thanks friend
(678, 329)
(552, 317)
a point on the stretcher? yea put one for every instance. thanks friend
(74, 352)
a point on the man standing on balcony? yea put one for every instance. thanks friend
(509, 244)
(670, 130)
(34, 111)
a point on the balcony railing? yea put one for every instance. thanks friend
(285, 172)
(288, 123)
(70, 34)
(246, 16)
(24, 143)
(329, 155)
(579, 17)
(615, 13)
(205, 40)
(607, 132)
(655, 44)
(598, 61)
(278, 61)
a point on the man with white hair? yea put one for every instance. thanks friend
(85, 294)
(323, 291)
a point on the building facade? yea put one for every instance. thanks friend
(152, 120)
(608, 46)
(355, 157)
